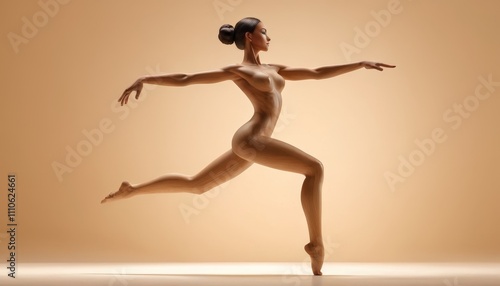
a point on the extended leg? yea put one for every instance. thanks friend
(280, 155)
(224, 168)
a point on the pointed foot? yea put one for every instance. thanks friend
(317, 254)
(123, 192)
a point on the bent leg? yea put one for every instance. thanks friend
(224, 168)
(280, 155)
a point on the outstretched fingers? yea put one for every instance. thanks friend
(386, 65)
(377, 66)
(381, 65)
(137, 87)
(126, 94)
(124, 98)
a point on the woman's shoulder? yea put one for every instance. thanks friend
(241, 66)
(232, 67)
(277, 67)
(249, 70)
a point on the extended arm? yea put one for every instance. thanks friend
(177, 80)
(327, 71)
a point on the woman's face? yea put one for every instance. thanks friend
(259, 38)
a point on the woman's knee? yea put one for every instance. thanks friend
(317, 169)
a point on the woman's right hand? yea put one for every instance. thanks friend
(137, 87)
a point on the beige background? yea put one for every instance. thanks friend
(65, 80)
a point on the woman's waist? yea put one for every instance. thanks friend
(260, 124)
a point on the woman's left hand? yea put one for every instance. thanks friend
(377, 66)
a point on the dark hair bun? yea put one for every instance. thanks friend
(226, 34)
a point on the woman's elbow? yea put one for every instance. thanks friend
(182, 79)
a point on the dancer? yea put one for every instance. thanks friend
(252, 143)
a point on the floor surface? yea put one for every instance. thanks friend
(242, 274)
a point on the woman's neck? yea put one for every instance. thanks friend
(251, 57)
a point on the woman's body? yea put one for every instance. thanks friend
(252, 143)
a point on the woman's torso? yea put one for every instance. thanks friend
(262, 85)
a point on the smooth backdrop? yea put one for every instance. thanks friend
(411, 154)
